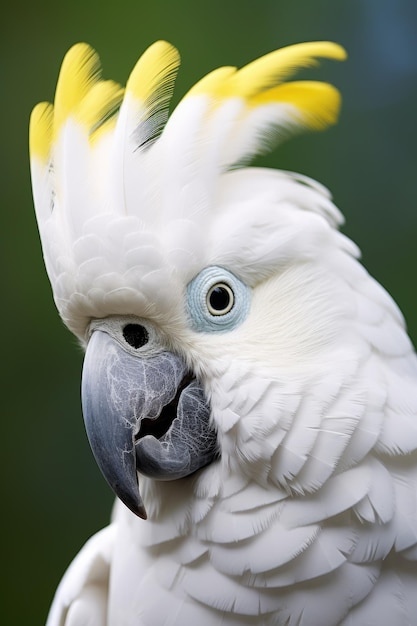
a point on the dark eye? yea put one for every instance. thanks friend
(217, 300)
(135, 335)
(220, 299)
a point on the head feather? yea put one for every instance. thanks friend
(113, 176)
(80, 71)
(151, 83)
(267, 71)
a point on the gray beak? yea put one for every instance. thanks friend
(143, 414)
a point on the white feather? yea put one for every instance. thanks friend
(309, 515)
(84, 587)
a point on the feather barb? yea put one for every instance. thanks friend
(79, 72)
(266, 71)
(316, 103)
(41, 130)
(153, 76)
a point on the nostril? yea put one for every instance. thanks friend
(135, 335)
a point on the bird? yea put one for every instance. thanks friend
(249, 391)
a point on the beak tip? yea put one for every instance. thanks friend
(133, 501)
(142, 514)
(139, 510)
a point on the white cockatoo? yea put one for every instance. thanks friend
(242, 368)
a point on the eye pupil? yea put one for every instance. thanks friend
(135, 335)
(220, 299)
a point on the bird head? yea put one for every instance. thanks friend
(205, 292)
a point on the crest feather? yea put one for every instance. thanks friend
(269, 70)
(41, 130)
(98, 108)
(79, 94)
(102, 155)
(153, 76)
(149, 91)
(279, 65)
(79, 72)
(317, 103)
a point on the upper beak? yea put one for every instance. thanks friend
(143, 414)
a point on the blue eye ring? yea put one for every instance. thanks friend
(217, 300)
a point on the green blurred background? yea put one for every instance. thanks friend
(53, 494)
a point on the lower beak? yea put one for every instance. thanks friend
(143, 414)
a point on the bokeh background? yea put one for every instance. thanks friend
(53, 496)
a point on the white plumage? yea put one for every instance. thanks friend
(308, 515)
